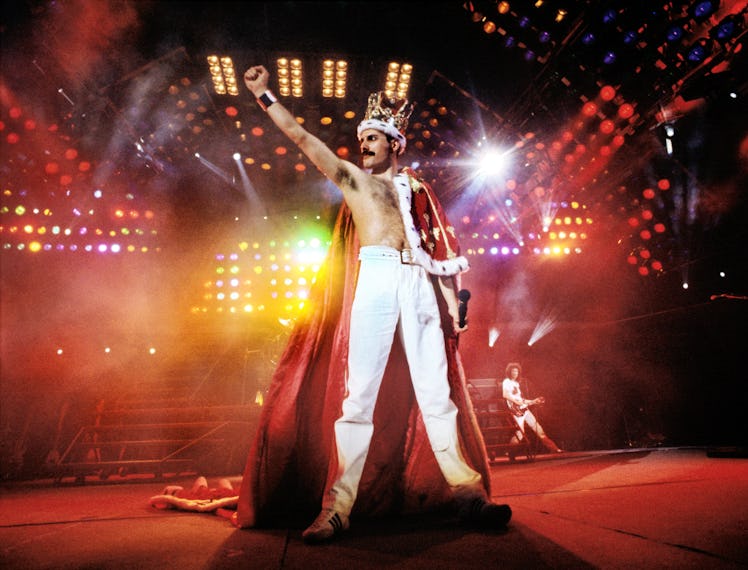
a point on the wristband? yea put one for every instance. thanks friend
(266, 99)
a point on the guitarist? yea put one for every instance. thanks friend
(520, 408)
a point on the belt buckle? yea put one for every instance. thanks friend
(406, 256)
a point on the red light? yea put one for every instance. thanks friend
(643, 271)
(71, 154)
(589, 109)
(232, 111)
(618, 140)
(568, 136)
(29, 125)
(648, 193)
(605, 150)
(13, 138)
(626, 111)
(66, 180)
(14, 112)
(607, 126)
(632, 260)
(607, 93)
(645, 254)
(663, 184)
(299, 167)
(645, 234)
(647, 214)
(657, 266)
(343, 152)
(52, 168)
(281, 150)
(257, 131)
(659, 228)
(633, 222)
(84, 166)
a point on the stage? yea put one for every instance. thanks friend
(632, 508)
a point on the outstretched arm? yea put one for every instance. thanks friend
(256, 79)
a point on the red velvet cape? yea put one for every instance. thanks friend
(293, 451)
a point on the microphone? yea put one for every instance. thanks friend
(464, 297)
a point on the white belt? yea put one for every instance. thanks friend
(382, 251)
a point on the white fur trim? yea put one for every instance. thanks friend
(385, 127)
(446, 267)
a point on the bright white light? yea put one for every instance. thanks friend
(237, 156)
(493, 336)
(546, 324)
(492, 163)
(685, 285)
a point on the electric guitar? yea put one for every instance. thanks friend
(519, 410)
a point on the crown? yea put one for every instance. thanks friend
(387, 115)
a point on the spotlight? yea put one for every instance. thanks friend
(609, 58)
(700, 11)
(588, 39)
(727, 29)
(698, 51)
(674, 33)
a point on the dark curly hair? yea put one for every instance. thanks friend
(513, 365)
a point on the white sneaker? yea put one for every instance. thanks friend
(327, 524)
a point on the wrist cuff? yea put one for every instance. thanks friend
(266, 99)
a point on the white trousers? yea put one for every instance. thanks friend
(391, 297)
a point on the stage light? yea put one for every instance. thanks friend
(588, 39)
(589, 109)
(503, 7)
(626, 111)
(493, 336)
(700, 11)
(610, 58)
(334, 78)
(630, 37)
(698, 51)
(492, 163)
(674, 33)
(223, 75)
(726, 29)
(609, 16)
(397, 80)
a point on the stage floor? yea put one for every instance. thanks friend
(636, 508)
